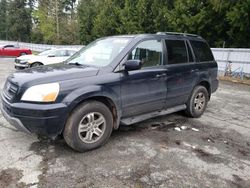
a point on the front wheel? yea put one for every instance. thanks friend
(197, 102)
(89, 126)
(36, 64)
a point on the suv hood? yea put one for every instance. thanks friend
(49, 74)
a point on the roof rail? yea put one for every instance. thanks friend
(176, 33)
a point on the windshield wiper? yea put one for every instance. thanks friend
(75, 63)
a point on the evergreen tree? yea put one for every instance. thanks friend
(19, 21)
(3, 19)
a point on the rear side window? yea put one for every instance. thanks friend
(177, 52)
(202, 51)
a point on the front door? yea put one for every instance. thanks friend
(144, 90)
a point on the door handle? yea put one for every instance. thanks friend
(194, 70)
(160, 75)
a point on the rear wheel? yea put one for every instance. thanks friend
(89, 126)
(197, 102)
(23, 53)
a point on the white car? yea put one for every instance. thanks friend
(46, 57)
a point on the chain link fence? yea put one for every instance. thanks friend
(233, 62)
(37, 47)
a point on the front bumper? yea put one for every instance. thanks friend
(14, 121)
(22, 66)
(41, 119)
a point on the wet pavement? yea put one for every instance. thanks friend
(167, 151)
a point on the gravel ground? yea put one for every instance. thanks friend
(212, 151)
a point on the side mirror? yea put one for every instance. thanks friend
(132, 65)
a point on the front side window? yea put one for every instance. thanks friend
(202, 51)
(149, 52)
(101, 52)
(47, 52)
(177, 52)
(70, 52)
(60, 53)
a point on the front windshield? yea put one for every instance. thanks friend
(47, 52)
(101, 52)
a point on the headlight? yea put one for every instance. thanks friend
(42, 93)
(23, 61)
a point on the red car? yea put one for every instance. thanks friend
(13, 51)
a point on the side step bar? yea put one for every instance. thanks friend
(139, 118)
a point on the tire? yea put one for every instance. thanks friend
(36, 64)
(23, 53)
(197, 102)
(83, 121)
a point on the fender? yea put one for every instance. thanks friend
(81, 94)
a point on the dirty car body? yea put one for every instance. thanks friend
(148, 75)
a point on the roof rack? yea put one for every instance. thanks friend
(180, 34)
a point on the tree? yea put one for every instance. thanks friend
(86, 13)
(202, 17)
(129, 18)
(19, 21)
(238, 18)
(107, 21)
(3, 19)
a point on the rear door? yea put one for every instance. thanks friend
(144, 90)
(182, 71)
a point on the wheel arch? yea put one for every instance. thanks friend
(36, 62)
(96, 93)
(207, 85)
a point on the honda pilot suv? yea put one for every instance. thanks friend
(118, 80)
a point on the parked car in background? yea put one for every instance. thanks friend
(46, 57)
(13, 51)
(119, 80)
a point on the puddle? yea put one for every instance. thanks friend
(208, 157)
(10, 177)
(239, 182)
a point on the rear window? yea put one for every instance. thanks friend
(202, 51)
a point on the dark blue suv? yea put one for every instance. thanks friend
(118, 80)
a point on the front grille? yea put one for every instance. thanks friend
(10, 90)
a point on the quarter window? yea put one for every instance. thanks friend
(177, 52)
(149, 52)
(202, 51)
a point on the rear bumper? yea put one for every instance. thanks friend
(42, 119)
